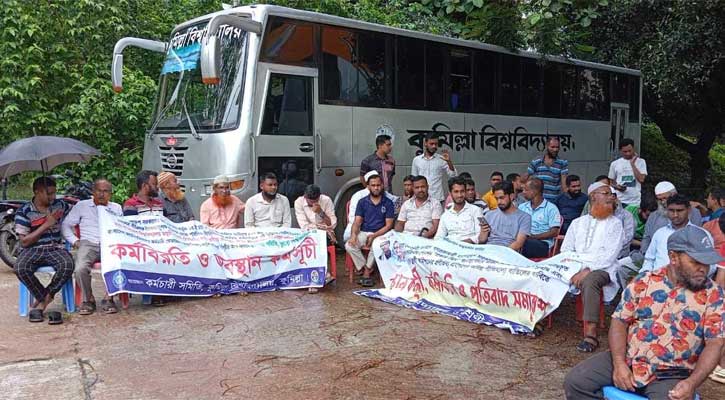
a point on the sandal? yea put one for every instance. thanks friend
(108, 306)
(87, 308)
(588, 346)
(36, 315)
(312, 290)
(158, 301)
(367, 282)
(718, 375)
(55, 318)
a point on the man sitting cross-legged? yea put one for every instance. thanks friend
(667, 332)
(373, 217)
(597, 238)
(88, 245)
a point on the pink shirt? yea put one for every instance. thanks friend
(222, 217)
(307, 219)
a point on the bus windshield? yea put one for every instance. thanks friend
(184, 102)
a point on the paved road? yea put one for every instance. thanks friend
(291, 345)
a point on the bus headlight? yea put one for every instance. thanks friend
(236, 185)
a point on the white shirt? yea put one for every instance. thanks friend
(85, 215)
(258, 213)
(433, 169)
(598, 242)
(416, 218)
(353, 206)
(657, 255)
(460, 225)
(620, 170)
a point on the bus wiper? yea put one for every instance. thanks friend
(194, 133)
(171, 102)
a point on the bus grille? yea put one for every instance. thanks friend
(172, 159)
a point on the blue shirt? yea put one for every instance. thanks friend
(570, 208)
(715, 215)
(550, 175)
(28, 219)
(374, 216)
(543, 218)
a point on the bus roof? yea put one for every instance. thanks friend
(262, 11)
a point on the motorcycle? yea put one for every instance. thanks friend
(9, 240)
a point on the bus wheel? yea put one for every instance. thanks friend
(341, 213)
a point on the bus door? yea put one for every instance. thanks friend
(286, 143)
(620, 117)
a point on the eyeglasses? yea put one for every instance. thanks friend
(605, 193)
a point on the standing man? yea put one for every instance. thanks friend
(176, 207)
(628, 173)
(88, 246)
(551, 169)
(146, 200)
(267, 208)
(380, 161)
(666, 334)
(545, 220)
(315, 210)
(488, 197)
(222, 210)
(597, 238)
(509, 226)
(462, 221)
(38, 225)
(421, 214)
(433, 167)
(571, 203)
(373, 217)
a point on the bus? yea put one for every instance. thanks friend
(262, 88)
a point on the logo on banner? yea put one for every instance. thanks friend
(119, 279)
(315, 276)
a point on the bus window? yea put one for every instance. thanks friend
(339, 76)
(620, 90)
(370, 64)
(435, 78)
(288, 42)
(552, 90)
(287, 109)
(569, 91)
(593, 94)
(530, 87)
(460, 80)
(484, 80)
(293, 174)
(634, 99)
(510, 84)
(410, 69)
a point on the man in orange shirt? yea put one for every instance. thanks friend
(222, 210)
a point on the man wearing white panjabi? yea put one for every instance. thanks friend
(597, 238)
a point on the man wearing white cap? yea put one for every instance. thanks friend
(222, 210)
(356, 198)
(597, 238)
(268, 209)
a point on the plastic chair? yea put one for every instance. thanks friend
(25, 297)
(580, 311)
(612, 393)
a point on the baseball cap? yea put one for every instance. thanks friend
(696, 243)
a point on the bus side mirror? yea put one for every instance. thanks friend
(210, 56)
(117, 67)
(117, 73)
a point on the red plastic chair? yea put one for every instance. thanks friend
(333, 261)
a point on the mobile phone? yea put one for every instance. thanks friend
(482, 221)
(422, 231)
(673, 373)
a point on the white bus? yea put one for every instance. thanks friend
(264, 88)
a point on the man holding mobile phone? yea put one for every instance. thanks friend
(667, 333)
(507, 225)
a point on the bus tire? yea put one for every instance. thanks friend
(341, 213)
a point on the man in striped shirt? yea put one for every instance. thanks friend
(146, 200)
(551, 169)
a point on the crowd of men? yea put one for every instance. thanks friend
(653, 246)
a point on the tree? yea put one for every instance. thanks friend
(680, 48)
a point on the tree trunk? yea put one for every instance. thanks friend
(700, 158)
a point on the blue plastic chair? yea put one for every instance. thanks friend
(612, 393)
(25, 298)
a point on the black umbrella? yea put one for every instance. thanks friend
(42, 153)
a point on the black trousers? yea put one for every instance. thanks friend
(29, 260)
(534, 248)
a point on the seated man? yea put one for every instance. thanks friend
(714, 205)
(222, 210)
(420, 215)
(461, 221)
(146, 200)
(408, 192)
(268, 208)
(571, 203)
(597, 238)
(472, 195)
(678, 210)
(509, 226)
(176, 206)
(356, 197)
(667, 333)
(640, 214)
(545, 220)
(518, 181)
(373, 217)
(601, 179)
(88, 246)
(488, 197)
(38, 225)
(715, 202)
(315, 210)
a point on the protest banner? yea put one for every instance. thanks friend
(485, 284)
(152, 255)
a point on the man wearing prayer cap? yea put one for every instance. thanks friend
(597, 239)
(176, 206)
(222, 210)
